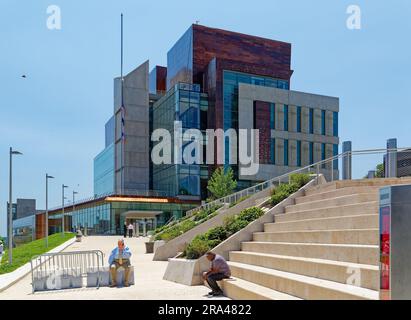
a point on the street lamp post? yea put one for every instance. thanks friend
(47, 210)
(62, 204)
(74, 193)
(10, 237)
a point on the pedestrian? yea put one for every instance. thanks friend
(120, 258)
(125, 229)
(130, 230)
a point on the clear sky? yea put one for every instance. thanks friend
(56, 115)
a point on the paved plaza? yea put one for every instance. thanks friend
(149, 283)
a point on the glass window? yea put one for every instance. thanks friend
(323, 122)
(323, 154)
(298, 153)
(272, 116)
(298, 119)
(285, 117)
(272, 151)
(286, 152)
(335, 124)
(311, 121)
(311, 152)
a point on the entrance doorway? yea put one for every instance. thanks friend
(142, 221)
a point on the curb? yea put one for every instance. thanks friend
(8, 279)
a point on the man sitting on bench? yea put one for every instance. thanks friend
(119, 257)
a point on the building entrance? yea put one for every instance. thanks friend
(143, 221)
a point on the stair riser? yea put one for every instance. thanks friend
(290, 286)
(334, 202)
(320, 189)
(346, 254)
(236, 293)
(336, 193)
(368, 278)
(370, 237)
(351, 210)
(349, 222)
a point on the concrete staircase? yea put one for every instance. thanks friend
(325, 246)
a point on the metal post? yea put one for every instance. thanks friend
(10, 229)
(47, 210)
(10, 237)
(74, 206)
(62, 208)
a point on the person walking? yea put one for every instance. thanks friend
(125, 229)
(130, 230)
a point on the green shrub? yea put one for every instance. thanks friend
(217, 233)
(300, 179)
(205, 242)
(199, 246)
(283, 191)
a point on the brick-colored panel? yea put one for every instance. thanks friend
(262, 122)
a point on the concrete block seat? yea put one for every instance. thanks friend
(105, 277)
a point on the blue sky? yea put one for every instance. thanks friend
(56, 115)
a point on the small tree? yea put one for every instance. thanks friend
(380, 171)
(222, 183)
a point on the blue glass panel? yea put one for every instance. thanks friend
(298, 119)
(311, 152)
(311, 121)
(323, 122)
(285, 117)
(335, 124)
(298, 153)
(286, 152)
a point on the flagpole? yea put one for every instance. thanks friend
(122, 110)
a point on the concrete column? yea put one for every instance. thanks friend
(347, 160)
(144, 228)
(391, 163)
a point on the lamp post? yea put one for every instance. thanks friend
(62, 204)
(47, 210)
(74, 193)
(10, 237)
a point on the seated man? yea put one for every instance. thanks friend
(219, 270)
(119, 257)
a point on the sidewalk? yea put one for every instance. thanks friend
(149, 283)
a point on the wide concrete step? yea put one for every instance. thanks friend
(328, 212)
(368, 221)
(343, 272)
(333, 202)
(346, 236)
(299, 285)
(330, 186)
(362, 254)
(336, 193)
(239, 289)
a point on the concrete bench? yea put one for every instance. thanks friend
(105, 277)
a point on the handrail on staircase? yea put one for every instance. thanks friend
(319, 167)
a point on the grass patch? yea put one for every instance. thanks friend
(23, 254)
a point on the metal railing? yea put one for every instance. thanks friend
(328, 167)
(63, 270)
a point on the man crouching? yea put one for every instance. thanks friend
(219, 270)
(119, 257)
